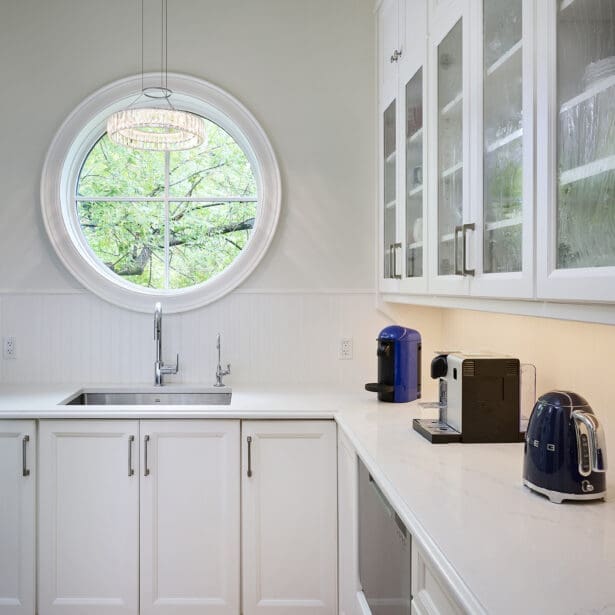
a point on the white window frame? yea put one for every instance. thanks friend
(73, 142)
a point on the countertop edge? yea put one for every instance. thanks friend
(431, 550)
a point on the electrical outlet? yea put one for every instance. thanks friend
(345, 353)
(9, 348)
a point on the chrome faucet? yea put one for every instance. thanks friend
(220, 373)
(160, 369)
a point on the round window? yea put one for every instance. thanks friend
(184, 227)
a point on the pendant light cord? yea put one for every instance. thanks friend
(142, 63)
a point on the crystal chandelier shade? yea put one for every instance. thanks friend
(156, 129)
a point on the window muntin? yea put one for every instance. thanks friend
(164, 220)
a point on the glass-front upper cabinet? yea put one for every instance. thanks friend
(414, 178)
(503, 179)
(389, 188)
(390, 52)
(414, 196)
(449, 149)
(576, 203)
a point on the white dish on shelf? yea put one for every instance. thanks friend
(599, 70)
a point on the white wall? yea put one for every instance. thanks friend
(305, 68)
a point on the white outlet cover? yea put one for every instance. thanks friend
(9, 348)
(345, 350)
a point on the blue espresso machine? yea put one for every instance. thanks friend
(399, 365)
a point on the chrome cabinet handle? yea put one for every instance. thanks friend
(145, 443)
(466, 228)
(391, 266)
(458, 229)
(249, 456)
(24, 456)
(396, 55)
(131, 470)
(394, 247)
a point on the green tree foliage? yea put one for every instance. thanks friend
(204, 237)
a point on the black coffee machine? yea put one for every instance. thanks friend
(399, 365)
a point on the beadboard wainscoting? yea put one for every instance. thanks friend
(268, 337)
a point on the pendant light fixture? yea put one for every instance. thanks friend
(161, 128)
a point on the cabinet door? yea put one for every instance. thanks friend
(390, 264)
(88, 517)
(388, 49)
(503, 178)
(190, 517)
(349, 585)
(576, 150)
(450, 153)
(430, 595)
(289, 517)
(17, 517)
(412, 99)
(390, 251)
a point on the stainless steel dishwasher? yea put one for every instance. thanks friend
(384, 551)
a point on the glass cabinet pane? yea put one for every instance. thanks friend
(390, 224)
(502, 135)
(414, 176)
(586, 133)
(450, 151)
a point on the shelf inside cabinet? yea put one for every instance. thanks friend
(507, 55)
(452, 170)
(447, 237)
(415, 245)
(416, 190)
(590, 92)
(390, 204)
(415, 136)
(587, 11)
(492, 226)
(597, 167)
(499, 143)
(450, 106)
(391, 157)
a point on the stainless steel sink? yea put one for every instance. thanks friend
(148, 398)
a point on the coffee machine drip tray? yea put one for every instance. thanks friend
(437, 432)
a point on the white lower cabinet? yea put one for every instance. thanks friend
(17, 517)
(347, 503)
(88, 517)
(190, 517)
(139, 517)
(429, 594)
(289, 517)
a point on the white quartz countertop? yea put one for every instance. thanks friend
(502, 548)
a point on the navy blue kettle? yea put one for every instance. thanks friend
(565, 451)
